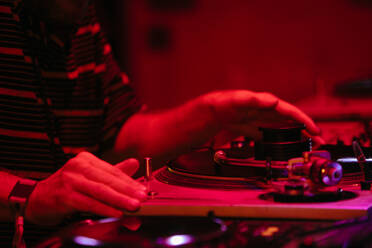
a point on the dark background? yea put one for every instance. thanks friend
(175, 50)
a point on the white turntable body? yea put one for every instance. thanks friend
(174, 200)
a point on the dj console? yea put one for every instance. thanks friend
(277, 192)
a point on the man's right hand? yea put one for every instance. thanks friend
(86, 184)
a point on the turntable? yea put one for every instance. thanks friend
(280, 177)
(275, 193)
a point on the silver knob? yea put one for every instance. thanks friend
(148, 177)
(148, 166)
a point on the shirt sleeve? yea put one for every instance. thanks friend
(120, 101)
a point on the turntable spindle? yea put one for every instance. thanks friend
(148, 166)
(148, 176)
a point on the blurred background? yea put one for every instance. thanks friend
(316, 54)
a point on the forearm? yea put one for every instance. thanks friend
(168, 133)
(7, 183)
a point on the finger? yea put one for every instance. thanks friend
(129, 166)
(106, 173)
(104, 193)
(317, 142)
(251, 100)
(293, 112)
(122, 183)
(266, 100)
(84, 203)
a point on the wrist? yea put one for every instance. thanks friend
(18, 197)
(41, 208)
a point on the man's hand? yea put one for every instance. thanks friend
(86, 184)
(241, 112)
(235, 112)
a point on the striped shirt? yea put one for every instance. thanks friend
(57, 97)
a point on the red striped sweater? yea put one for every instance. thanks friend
(57, 97)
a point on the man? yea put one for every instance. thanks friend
(64, 103)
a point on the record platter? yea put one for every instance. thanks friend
(276, 193)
